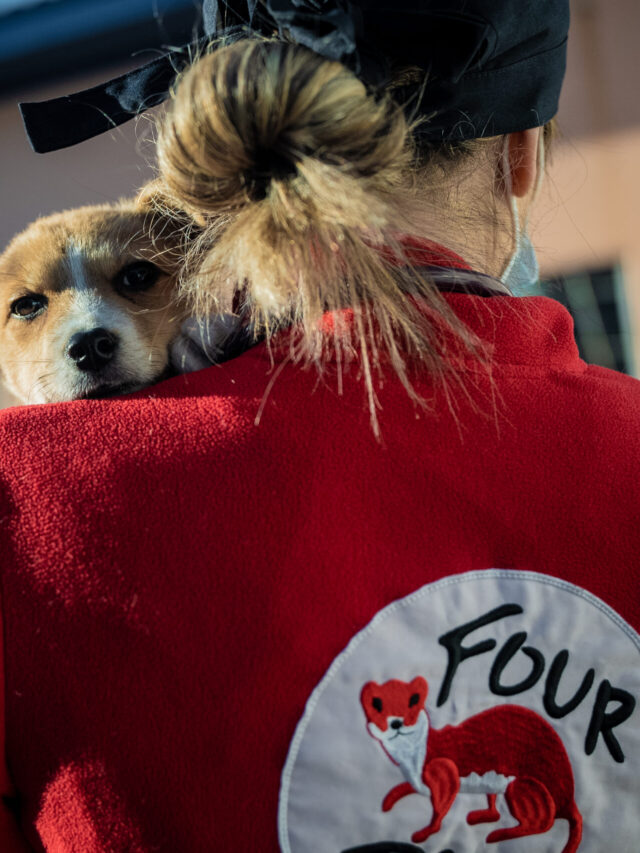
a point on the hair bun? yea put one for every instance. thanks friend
(252, 113)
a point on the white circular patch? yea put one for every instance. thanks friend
(560, 747)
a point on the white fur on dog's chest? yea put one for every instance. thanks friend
(487, 783)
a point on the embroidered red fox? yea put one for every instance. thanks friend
(507, 749)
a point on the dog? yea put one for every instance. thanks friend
(90, 305)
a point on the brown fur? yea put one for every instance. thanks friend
(73, 259)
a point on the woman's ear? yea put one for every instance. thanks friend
(522, 160)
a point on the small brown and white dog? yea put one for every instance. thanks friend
(89, 306)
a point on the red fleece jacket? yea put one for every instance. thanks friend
(176, 580)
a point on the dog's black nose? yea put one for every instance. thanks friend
(92, 350)
(396, 724)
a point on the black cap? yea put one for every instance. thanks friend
(492, 66)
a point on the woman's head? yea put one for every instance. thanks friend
(303, 180)
(263, 120)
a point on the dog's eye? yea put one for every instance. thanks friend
(138, 276)
(28, 307)
(377, 703)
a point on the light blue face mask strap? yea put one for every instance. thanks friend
(523, 253)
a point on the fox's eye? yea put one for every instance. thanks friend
(415, 698)
(377, 703)
(136, 277)
(28, 307)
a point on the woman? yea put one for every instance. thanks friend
(388, 602)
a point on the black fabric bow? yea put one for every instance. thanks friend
(61, 122)
(491, 67)
(326, 27)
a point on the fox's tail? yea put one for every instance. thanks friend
(575, 830)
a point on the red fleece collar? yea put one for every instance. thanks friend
(535, 330)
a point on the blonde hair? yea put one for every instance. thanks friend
(300, 181)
